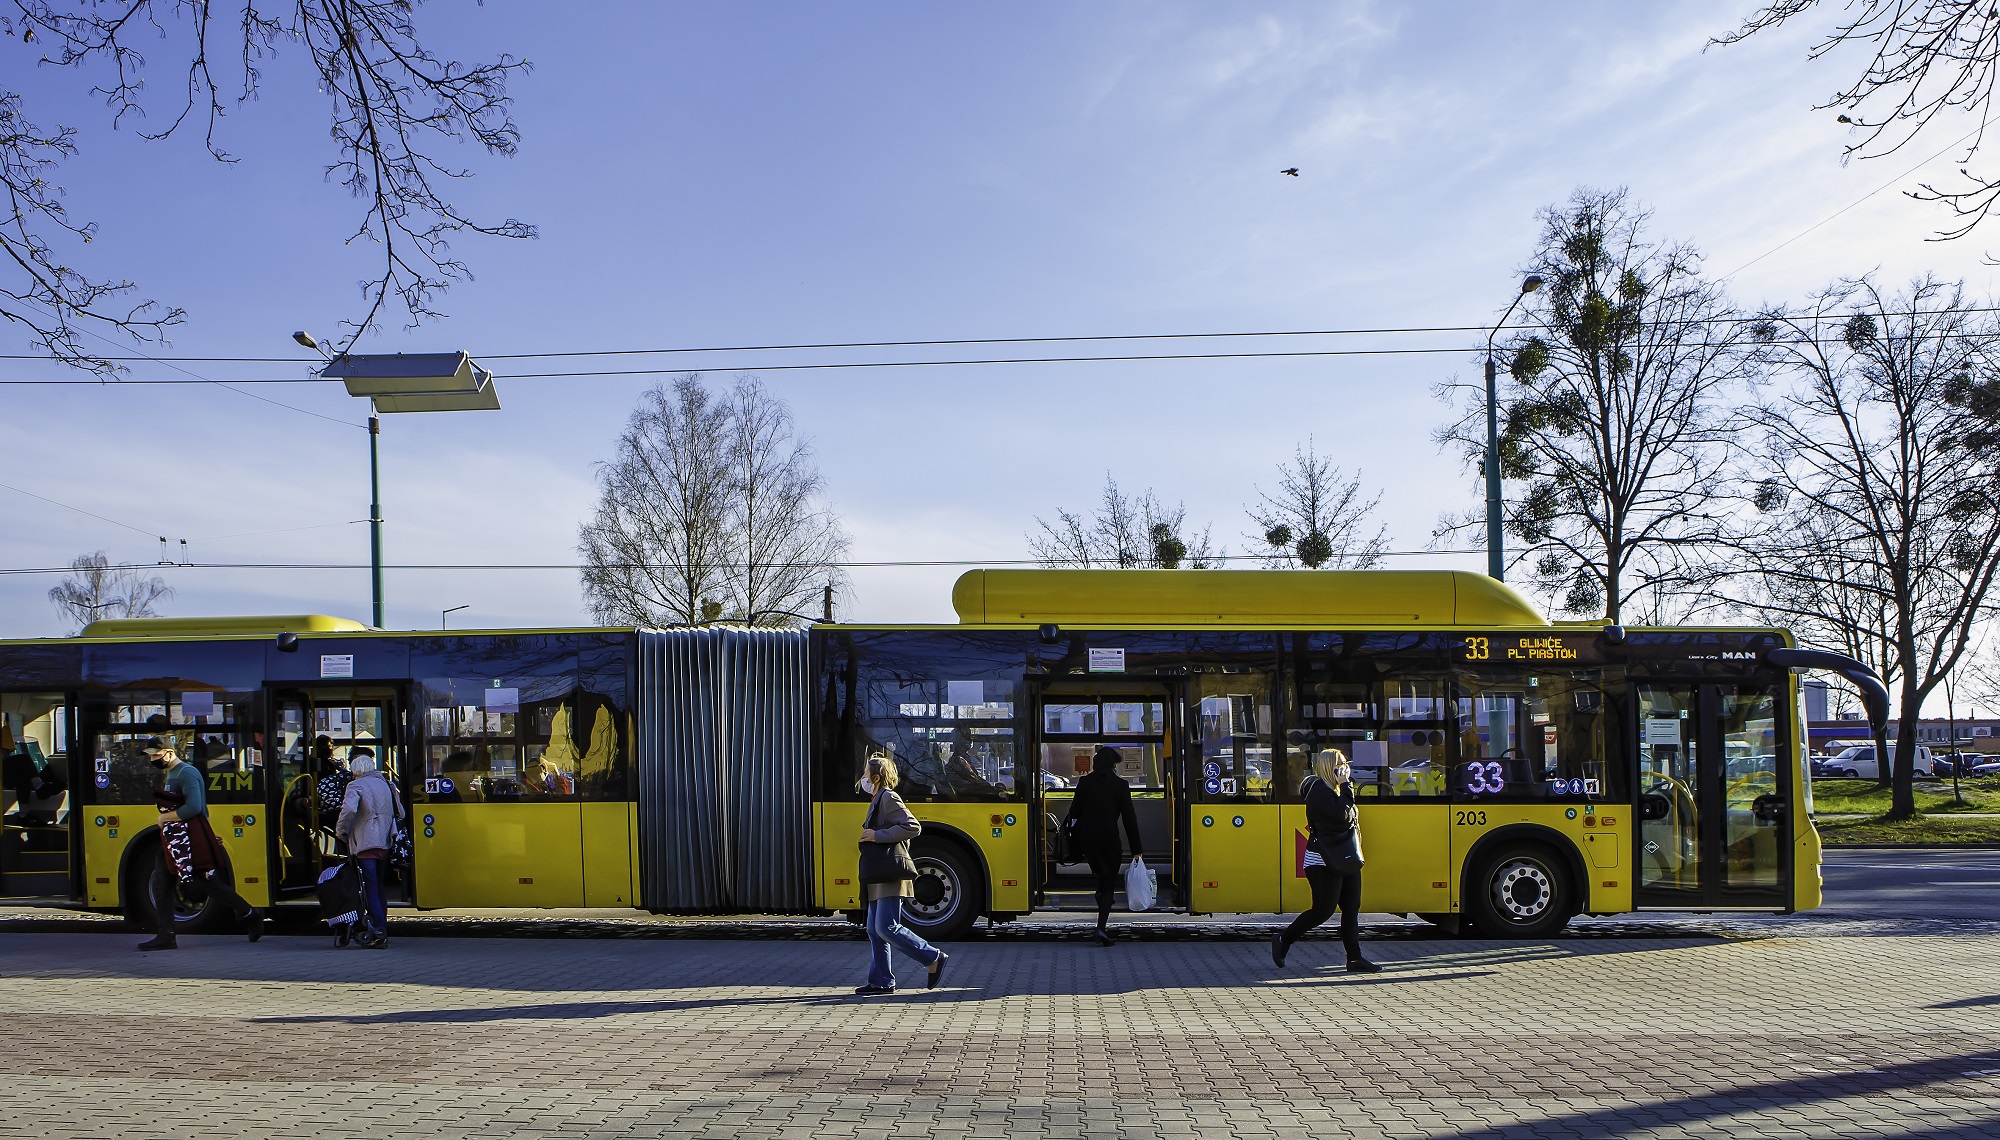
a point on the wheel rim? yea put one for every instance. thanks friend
(1523, 890)
(937, 892)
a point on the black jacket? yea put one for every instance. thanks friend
(1330, 814)
(1102, 799)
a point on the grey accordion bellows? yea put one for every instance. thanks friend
(725, 806)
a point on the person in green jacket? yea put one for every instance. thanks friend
(186, 788)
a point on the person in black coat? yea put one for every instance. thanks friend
(1330, 816)
(1103, 798)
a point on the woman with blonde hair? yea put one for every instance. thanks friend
(888, 876)
(1332, 859)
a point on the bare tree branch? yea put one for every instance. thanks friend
(393, 102)
(97, 589)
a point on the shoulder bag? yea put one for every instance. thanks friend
(884, 862)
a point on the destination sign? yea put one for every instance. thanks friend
(1522, 648)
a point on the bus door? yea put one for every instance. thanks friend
(1140, 721)
(38, 852)
(314, 733)
(1714, 829)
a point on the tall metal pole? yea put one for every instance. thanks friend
(375, 513)
(1496, 561)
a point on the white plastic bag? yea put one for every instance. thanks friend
(1141, 885)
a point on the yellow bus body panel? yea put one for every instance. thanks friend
(1004, 857)
(185, 627)
(1408, 852)
(1246, 599)
(500, 855)
(1807, 890)
(1598, 843)
(104, 848)
(1234, 866)
(607, 853)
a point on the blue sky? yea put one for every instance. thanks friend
(766, 174)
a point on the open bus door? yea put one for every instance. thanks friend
(1140, 720)
(1714, 789)
(315, 730)
(39, 849)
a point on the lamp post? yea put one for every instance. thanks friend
(443, 614)
(1496, 562)
(402, 382)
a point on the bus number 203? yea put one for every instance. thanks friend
(1471, 818)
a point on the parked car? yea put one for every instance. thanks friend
(1964, 762)
(1990, 768)
(1860, 762)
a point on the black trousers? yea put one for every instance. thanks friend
(1331, 889)
(162, 890)
(1104, 864)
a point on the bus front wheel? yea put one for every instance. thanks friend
(949, 892)
(1523, 891)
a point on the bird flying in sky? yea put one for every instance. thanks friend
(1291, 170)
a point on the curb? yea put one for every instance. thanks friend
(1913, 846)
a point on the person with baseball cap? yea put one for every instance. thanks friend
(189, 854)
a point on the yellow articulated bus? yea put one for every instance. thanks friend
(1514, 773)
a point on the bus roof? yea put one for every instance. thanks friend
(1316, 598)
(219, 626)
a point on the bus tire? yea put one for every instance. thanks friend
(1522, 891)
(950, 892)
(209, 916)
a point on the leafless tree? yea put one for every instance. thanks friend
(1316, 519)
(787, 543)
(1886, 444)
(711, 511)
(393, 102)
(1613, 417)
(1124, 532)
(1928, 57)
(97, 589)
(658, 547)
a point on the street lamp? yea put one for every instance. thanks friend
(443, 614)
(1496, 562)
(403, 382)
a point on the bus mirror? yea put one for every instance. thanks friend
(288, 643)
(1614, 635)
(1050, 633)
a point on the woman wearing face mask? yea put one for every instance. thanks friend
(888, 877)
(1330, 818)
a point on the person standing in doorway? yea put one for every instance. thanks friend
(1331, 818)
(370, 815)
(888, 877)
(189, 854)
(1103, 799)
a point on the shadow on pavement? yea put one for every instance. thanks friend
(1698, 1113)
(1967, 1003)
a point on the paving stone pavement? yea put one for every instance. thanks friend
(1825, 1034)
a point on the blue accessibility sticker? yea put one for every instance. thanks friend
(446, 786)
(1211, 769)
(1211, 785)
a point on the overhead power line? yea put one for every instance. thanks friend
(534, 566)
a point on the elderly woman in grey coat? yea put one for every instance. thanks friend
(890, 822)
(369, 814)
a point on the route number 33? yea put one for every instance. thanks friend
(1478, 649)
(1485, 778)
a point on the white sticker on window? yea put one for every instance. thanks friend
(336, 665)
(1107, 660)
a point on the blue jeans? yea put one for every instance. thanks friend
(374, 908)
(885, 925)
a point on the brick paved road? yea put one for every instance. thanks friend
(1803, 1034)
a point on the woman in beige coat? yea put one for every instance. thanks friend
(889, 822)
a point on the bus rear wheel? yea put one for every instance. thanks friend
(949, 892)
(205, 915)
(1523, 891)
